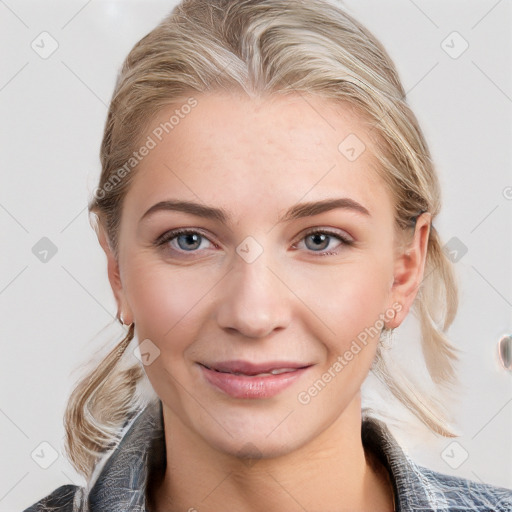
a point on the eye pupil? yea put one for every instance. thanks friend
(190, 238)
(318, 238)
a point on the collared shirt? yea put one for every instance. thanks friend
(121, 481)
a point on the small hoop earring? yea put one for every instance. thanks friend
(387, 338)
(121, 320)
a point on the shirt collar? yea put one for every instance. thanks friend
(412, 487)
(141, 456)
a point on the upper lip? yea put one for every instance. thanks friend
(248, 368)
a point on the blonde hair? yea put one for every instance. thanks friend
(266, 47)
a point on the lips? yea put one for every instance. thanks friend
(241, 379)
(251, 370)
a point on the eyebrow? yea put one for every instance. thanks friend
(295, 212)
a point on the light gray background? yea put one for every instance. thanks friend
(53, 314)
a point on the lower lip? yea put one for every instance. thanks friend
(243, 386)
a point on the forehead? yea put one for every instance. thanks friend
(230, 149)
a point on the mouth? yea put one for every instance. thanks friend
(255, 370)
(241, 379)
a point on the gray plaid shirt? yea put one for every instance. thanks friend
(120, 481)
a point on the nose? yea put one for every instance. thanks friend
(254, 300)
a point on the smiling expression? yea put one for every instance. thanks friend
(287, 256)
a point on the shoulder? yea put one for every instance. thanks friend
(461, 494)
(419, 488)
(65, 498)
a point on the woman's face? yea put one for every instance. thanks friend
(251, 288)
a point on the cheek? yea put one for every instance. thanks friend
(165, 303)
(350, 293)
(350, 300)
(168, 308)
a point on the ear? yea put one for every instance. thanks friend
(409, 269)
(114, 275)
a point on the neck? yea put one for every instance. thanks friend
(330, 472)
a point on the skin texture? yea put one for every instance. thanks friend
(256, 158)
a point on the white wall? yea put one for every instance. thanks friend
(52, 113)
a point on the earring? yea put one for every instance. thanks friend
(387, 338)
(121, 319)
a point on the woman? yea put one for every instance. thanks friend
(265, 205)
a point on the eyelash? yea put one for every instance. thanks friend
(170, 235)
(333, 234)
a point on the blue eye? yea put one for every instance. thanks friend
(187, 240)
(317, 241)
(320, 241)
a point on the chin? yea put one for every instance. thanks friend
(255, 447)
(253, 437)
